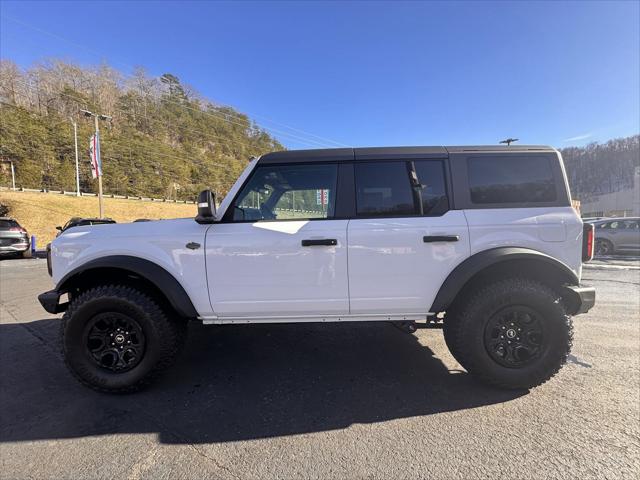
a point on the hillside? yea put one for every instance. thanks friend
(602, 168)
(40, 213)
(164, 139)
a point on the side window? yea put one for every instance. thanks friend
(433, 192)
(287, 192)
(400, 188)
(383, 189)
(511, 179)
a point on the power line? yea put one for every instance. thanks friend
(126, 112)
(156, 152)
(36, 147)
(308, 141)
(217, 115)
(130, 140)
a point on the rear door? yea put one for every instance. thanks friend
(517, 197)
(404, 240)
(280, 251)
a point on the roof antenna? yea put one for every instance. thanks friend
(509, 141)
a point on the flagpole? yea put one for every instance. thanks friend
(96, 160)
(96, 153)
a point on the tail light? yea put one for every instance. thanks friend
(17, 229)
(588, 233)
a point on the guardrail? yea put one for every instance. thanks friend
(90, 194)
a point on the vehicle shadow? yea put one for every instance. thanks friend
(237, 383)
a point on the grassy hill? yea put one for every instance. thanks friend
(40, 213)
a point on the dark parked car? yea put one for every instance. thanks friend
(79, 221)
(617, 235)
(14, 240)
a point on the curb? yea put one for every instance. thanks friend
(610, 267)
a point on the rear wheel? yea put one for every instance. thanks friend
(514, 333)
(604, 247)
(118, 339)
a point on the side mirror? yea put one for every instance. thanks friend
(59, 228)
(206, 207)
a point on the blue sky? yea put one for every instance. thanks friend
(365, 73)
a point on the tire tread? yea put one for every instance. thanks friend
(470, 310)
(172, 332)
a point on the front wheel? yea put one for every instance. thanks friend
(514, 333)
(117, 339)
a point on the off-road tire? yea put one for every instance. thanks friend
(467, 332)
(163, 337)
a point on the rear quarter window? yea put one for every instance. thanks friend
(510, 179)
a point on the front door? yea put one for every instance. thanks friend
(278, 251)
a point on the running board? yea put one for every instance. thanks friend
(360, 317)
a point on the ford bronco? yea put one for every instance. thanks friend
(484, 238)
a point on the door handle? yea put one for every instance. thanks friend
(440, 238)
(320, 242)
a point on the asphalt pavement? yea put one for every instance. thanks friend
(352, 400)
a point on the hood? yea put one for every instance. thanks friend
(134, 229)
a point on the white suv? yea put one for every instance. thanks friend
(483, 236)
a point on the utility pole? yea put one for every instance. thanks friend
(75, 138)
(97, 116)
(13, 177)
(13, 173)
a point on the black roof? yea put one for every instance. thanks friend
(382, 153)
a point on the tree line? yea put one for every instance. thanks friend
(596, 169)
(164, 139)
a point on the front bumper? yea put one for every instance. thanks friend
(580, 298)
(50, 301)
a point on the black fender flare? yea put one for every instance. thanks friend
(473, 265)
(153, 273)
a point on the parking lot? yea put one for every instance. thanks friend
(322, 401)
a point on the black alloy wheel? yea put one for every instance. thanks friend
(514, 336)
(115, 341)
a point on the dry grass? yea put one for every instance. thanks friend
(39, 213)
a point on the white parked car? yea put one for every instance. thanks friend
(485, 236)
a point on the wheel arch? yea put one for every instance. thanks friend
(499, 262)
(134, 271)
